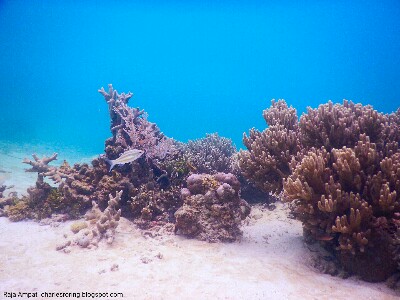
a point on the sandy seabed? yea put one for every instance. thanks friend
(271, 261)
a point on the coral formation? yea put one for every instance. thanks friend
(5, 201)
(269, 154)
(160, 171)
(43, 200)
(132, 130)
(211, 154)
(339, 166)
(337, 125)
(98, 226)
(212, 208)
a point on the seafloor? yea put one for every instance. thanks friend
(271, 261)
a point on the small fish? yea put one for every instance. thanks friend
(127, 157)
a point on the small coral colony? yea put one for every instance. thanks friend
(338, 167)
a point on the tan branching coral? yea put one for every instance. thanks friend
(268, 158)
(339, 192)
(337, 125)
(280, 114)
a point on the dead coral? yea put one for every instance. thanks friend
(212, 209)
(98, 226)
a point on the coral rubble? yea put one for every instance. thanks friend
(212, 208)
(98, 226)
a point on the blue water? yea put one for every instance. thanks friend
(196, 67)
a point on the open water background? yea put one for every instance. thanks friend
(196, 67)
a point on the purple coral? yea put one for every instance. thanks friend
(132, 130)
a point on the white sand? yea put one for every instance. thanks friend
(270, 262)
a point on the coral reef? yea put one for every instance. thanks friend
(211, 154)
(5, 201)
(212, 208)
(98, 226)
(269, 154)
(155, 206)
(346, 190)
(43, 200)
(337, 125)
(339, 166)
(162, 171)
(132, 130)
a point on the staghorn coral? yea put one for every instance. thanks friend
(106, 221)
(132, 130)
(212, 209)
(268, 158)
(210, 154)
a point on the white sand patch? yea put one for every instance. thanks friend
(270, 262)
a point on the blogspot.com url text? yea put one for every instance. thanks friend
(70, 295)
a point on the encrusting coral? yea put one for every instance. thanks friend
(212, 208)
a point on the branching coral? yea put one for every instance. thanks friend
(269, 154)
(212, 209)
(211, 154)
(340, 195)
(132, 130)
(79, 185)
(340, 170)
(337, 125)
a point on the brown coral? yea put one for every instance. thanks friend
(337, 125)
(340, 194)
(268, 158)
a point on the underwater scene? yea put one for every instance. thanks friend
(199, 149)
